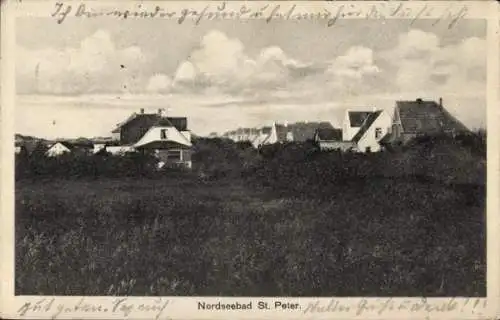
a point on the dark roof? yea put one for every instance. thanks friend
(366, 125)
(427, 117)
(329, 134)
(357, 118)
(303, 131)
(266, 130)
(153, 119)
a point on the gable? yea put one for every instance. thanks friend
(366, 125)
(164, 135)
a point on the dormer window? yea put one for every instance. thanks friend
(163, 134)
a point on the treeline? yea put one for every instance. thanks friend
(444, 158)
(78, 166)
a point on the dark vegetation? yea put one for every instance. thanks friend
(285, 220)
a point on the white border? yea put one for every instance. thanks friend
(186, 307)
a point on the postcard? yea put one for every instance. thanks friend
(274, 160)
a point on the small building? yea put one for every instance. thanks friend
(58, 148)
(65, 147)
(330, 139)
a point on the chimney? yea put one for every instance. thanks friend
(161, 112)
(440, 101)
(142, 110)
(419, 100)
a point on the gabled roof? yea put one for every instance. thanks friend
(357, 118)
(329, 134)
(154, 119)
(64, 143)
(366, 125)
(427, 117)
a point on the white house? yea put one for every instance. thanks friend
(373, 129)
(166, 137)
(57, 149)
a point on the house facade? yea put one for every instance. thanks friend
(168, 138)
(373, 130)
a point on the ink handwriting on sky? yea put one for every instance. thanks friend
(269, 12)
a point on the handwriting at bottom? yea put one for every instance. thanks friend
(122, 307)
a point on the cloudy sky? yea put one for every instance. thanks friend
(84, 76)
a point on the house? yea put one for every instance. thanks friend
(374, 128)
(263, 137)
(365, 129)
(420, 117)
(296, 132)
(306, 131)
(65, 147)
(331, 139)
(168, 138)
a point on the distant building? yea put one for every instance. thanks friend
(277, 133)
(168, 138)
(65, 147)
(328, 139)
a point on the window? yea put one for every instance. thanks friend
(174, 155)
(378, 133)
(163, 134)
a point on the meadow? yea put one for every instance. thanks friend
(288, 221)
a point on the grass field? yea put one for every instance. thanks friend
(182, 235)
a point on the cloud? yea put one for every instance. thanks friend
(222, 64)
(159, 83)
(421, 61)
(96, 65)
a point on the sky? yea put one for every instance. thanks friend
(81, 78)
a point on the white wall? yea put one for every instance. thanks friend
(119, 149)
(154, 134)
(57, 150)
(369, 140)
(333, 145)
(187, 134)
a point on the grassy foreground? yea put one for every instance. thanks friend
(253, 234)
